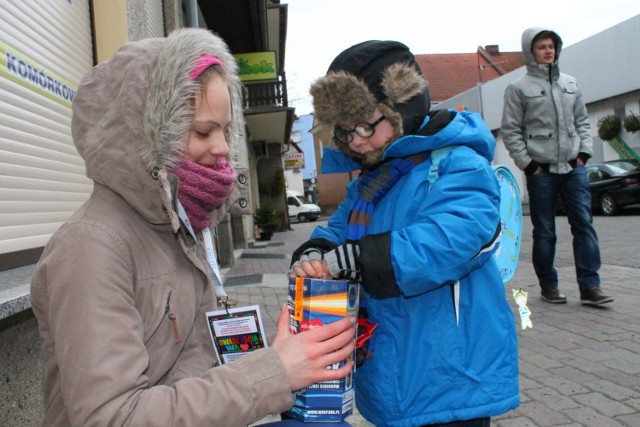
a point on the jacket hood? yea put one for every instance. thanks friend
(527, 43)
(465, 128)
(132, 114)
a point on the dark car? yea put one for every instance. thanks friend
(612, 187)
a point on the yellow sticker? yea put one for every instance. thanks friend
(298, 303)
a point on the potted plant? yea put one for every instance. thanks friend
(632, 123)
(609, 127)
(266, 218)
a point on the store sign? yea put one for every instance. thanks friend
(30, 74)
(257, 66)
(294, 160)
(623, 150)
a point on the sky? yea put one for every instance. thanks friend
(318, 30)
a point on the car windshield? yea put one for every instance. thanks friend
(615, 170)
(628, 165)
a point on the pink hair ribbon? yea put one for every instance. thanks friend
(204, 62)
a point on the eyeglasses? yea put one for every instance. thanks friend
(363, 129)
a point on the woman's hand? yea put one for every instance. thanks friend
(306, 355)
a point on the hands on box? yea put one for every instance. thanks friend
(308, 265)
(307, 260)
(340, 263)
(306, 355)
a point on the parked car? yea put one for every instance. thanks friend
(613, 184)
(300, 208)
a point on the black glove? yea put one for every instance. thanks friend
(532, 168)
(343, 261)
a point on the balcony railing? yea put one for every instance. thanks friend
(271, 94)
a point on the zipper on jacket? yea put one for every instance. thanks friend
(174, 320)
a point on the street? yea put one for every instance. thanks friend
(619, 238)
(579, 365)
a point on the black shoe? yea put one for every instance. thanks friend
(553, 296)
(594, 296)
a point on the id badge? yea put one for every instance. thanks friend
(235, 332)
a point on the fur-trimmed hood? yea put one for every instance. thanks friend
(132, 114)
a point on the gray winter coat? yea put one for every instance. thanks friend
(121, 291)
(544, 120)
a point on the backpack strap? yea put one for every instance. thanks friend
(510, 213)
(436, 156)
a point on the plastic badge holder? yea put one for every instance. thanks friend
(511, 219)
(314, 303)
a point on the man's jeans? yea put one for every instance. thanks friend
(574, 190)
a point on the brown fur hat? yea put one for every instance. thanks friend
(369, 75)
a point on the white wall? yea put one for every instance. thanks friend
(607, 66)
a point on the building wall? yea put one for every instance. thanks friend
(43, 177)
(624, 104)
(110, 27)
(21, 400)
(605, 87)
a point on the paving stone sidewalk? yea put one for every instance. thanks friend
(579, 365)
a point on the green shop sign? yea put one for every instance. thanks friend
(257, 66)
(623, 150)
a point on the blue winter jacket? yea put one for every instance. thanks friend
(446, 348)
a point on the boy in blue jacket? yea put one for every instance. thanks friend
(418, 228)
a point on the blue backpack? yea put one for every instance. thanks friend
(510, 214)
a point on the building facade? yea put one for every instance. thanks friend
(47, 46)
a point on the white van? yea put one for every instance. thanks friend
(300, 208)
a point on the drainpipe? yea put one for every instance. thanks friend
(191, 10)
(480, 106)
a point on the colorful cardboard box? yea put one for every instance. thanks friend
(314, 303)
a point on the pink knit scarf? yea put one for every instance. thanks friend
(203, 188)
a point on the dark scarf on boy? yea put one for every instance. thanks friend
(372, 186)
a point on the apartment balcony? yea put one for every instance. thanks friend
(269, 94)
(267, 112)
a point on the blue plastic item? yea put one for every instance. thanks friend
(511, 219)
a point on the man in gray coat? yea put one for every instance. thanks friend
(545, 127)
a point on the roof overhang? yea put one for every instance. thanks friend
(270, 124)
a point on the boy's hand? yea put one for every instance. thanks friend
(309, 264)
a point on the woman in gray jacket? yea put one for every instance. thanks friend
(121, 290)
(545, 127)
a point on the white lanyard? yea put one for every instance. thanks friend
(212, 263)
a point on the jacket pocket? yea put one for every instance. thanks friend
(156, 312)
(533, 92)
(537, 101)
(569, 88)
(539, 134)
